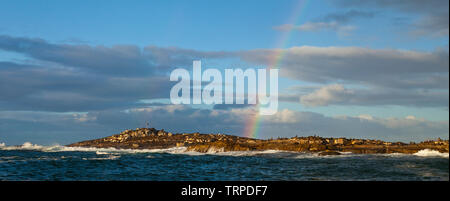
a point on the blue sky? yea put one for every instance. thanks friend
(203, 25)
(71, 62)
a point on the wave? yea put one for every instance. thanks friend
(274, 153)
(431, 153)
(98, 151)
(220, 152)
(173, 150)
(102, 153)
(105, 151)
(110, 157)
(24, 146)
(248, 153)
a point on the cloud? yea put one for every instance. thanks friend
(326, 95)
(230, 106)
(116, 60)
(74, 83)
(45, 88)
(384, 68)
(317, 26)
(415, 6)
(348, 16)
(433, 25)
(337, 94)
(71, 77)
(172, 57)
(382, 76)
(336, 22)
(123, 60)
(433, 20)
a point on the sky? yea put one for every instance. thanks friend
(78, 70)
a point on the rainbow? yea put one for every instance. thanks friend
(253, 123)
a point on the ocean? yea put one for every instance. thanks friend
(37, 163)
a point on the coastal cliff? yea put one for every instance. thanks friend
(150, 138)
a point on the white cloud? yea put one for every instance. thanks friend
(325, 95)
(365, 117)
(338, 94)
(83, 117)
(282, 116)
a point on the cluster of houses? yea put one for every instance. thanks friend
(139, 132)
(340, 141)
(197, 138)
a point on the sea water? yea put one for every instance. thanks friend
(34, 162)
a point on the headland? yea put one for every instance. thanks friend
(151, 138)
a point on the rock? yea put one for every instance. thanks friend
(161, 133)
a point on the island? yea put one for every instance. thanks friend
(151, 138)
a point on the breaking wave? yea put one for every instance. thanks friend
(173, 150)
(98, 151)
(271, 153)
(248, 153)
(220, 152)
(105, 151)
(431, 153)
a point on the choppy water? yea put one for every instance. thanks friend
(33, 162)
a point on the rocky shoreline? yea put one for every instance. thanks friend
(151, 138)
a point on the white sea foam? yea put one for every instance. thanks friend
(305, 155)
(220, 152)
(99, 151)
(24, 146)
(273, 153)
(431, 153)
(182, 150)
(396, 155)
(249, 153)
(173, 150)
